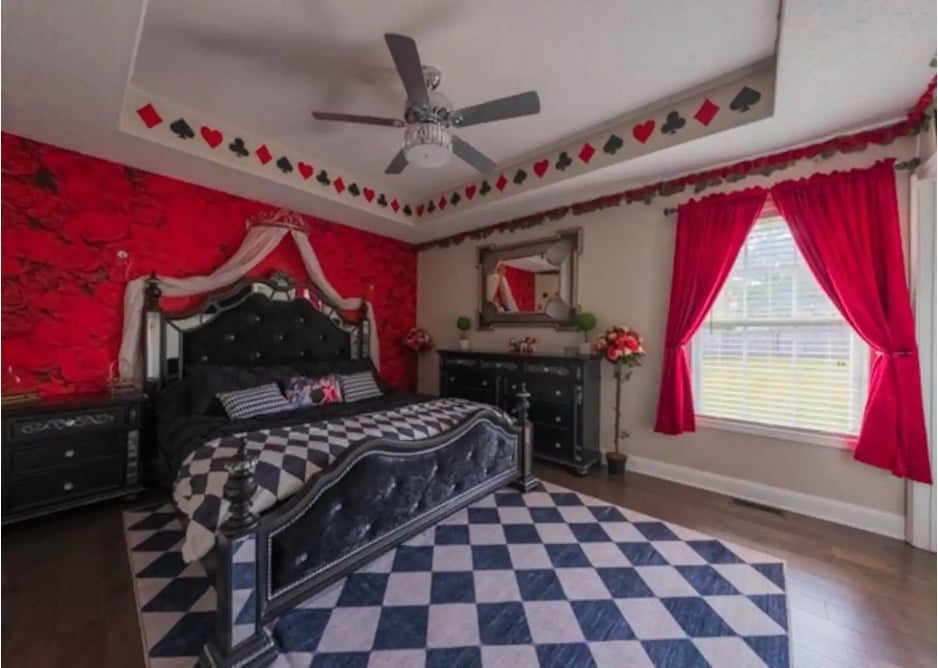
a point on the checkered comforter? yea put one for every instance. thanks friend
(289, 456)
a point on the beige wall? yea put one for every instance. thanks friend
(625, 276)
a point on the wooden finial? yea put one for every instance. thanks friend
(153, 292)
(526, 482)
(238, 491)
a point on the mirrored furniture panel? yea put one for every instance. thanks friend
(564, 389)
(530, 283)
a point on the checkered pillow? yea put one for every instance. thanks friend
(243, 404)
(359, 386)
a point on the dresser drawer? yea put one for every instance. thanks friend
(32, 457)
(65, 483)
(553, 442)
(551, 414)
(550, 390)
(482, 395)
(65, 423)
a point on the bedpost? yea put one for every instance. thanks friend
(527, 481)
(153, 370)
(240, 638)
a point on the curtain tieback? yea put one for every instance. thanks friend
(897, 353)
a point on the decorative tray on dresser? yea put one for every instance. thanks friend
(67, 451)
(564, 397)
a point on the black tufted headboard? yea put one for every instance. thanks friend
(255, 323)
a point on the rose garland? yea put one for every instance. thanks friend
(916, 121)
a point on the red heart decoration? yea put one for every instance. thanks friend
(305, 170)
(211, 136)
(643, 131)
(369, 194)
(419, 210)
(541, 167)
(470, 192)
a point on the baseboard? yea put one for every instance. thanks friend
(831, 510)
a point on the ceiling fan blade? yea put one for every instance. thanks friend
(467, 152)
(356, 118)
(407, 60)
(522, 104)
(397, 164)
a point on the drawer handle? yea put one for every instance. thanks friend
(557, 392)
(557, 445)
(68, 487)
(485, 383)
(69, 454)
(557, 419)
(452, 378)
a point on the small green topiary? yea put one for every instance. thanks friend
(586, 322)
(463, 324)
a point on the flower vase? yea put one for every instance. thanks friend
(464, 343)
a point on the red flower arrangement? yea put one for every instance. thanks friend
(525, 344)
(418, 340)
(621, 346)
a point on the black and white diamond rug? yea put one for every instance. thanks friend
(548, 578)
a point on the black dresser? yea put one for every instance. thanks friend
(62, 452)
(564, 397)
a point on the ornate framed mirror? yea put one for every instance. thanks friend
(530, 283)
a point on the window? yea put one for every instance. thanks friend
(774, 350)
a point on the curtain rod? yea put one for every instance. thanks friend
(906, 166)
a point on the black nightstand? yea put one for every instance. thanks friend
(68, 451)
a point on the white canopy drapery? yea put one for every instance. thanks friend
(258, 243)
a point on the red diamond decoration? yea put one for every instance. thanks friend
(501, 183)
(586, 153)
(419, 210)
(148, 115)
(263, 154)
(339, 185)
(706, 112)
(441, 203)
(395, 205)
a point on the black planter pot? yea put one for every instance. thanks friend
(616, 463)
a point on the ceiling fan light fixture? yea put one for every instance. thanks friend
(428, 145)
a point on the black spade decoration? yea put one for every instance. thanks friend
(182, 129)
(407, 210)
(284, 165)
(520, 176)
(672, 123)
(354, 190)
(563, 161)
(745, 99)
(485, 188)
(382, 200)
(612, 145)
(323, 177)
(431, 207)
(238, 148)
(454, 200)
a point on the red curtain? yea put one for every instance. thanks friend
(846, 226)
(710, 233)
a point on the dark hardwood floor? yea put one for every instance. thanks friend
(856, 599)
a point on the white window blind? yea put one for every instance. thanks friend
(774, 350)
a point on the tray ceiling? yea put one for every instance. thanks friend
(259, 68)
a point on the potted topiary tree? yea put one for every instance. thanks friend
(622, 347)
(586, 322)
(463, 324)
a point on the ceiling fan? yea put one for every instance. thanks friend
(429, 116)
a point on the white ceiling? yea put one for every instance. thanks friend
(264, 65)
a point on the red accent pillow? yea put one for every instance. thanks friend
(301, 391)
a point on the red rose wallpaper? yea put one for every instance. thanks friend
(75, 229)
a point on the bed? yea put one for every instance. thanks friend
(280, 506)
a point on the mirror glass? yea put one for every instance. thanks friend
(531, 282)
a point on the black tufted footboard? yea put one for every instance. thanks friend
(372, 498)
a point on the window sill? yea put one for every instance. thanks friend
(826, 439)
